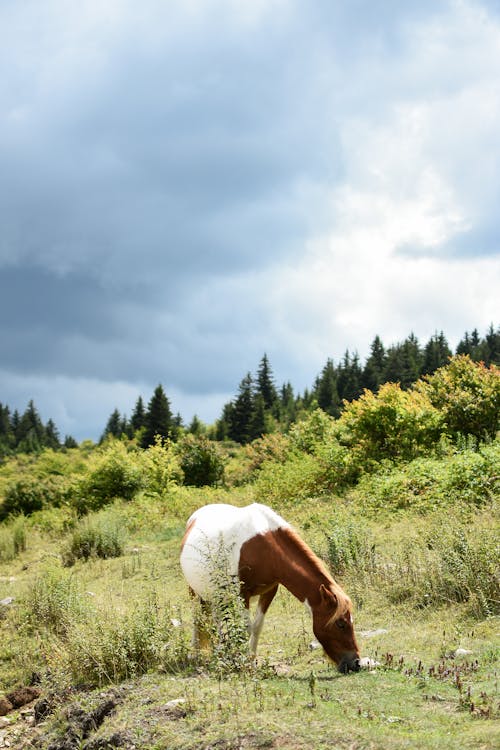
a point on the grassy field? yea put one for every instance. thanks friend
(108, 640)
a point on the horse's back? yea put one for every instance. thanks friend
(217, 526)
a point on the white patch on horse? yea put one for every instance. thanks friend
(227, 526)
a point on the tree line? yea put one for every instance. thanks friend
(260, 406)
(26, 433)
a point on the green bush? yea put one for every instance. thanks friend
(201, 462)
(426, 484)
(113, 473)
(160, 466)
(467, 395)
(391, 424)
(30, 494)
(101, 535)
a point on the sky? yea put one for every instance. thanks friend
(187, 185)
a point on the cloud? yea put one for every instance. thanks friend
(186, 186)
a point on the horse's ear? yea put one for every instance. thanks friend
(327, 596)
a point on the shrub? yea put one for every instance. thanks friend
(30, 494)
(115, 473)
(391, 424)
(468, 396)
(54, 602)
(160, 466)
(201, 463)
(300, 477)
(116, 646)
(101, 535)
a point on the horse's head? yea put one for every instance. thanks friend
(333, 627)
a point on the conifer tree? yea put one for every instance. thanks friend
(242, 411)
(257, 426)
(158, 418)
(30, 434)
(265, 383)
(114, 426)
(374, 369)
(138, 418)
(326, 390)
(436, 353)
(52, 436)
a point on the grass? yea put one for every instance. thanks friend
(126, 622)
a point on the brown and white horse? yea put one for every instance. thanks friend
(264, 551)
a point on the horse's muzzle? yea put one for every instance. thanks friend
(349, 665)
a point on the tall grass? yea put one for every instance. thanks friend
(98, 535)
(447, 562)
(12, 539)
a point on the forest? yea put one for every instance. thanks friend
(260, 406)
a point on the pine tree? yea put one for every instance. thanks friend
(349, 377)
(265, 383)
(241, 414)
(114, 426)
(374, 369)
(138, 418)
(257, 426)
(436, 353)
(52, 436)
(158, 418)
(493, 346)
(325, 390)
(30, 433)
(70, 442)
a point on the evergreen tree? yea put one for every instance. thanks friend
(412, 361)
(7, 438)
(158, 418)
(114, 426)
(464, 346)
(349, 377)
(265, 383)
(436, 353)
(223, 425)
(52, 436)
(70, 442)
(30, 433)
(138, 418)
(257, 426)
(493, 346)
(196, 426)
(325, 390)
(374, 369)
(242, 412)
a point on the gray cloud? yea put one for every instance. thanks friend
(164, 168)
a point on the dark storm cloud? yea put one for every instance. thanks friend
(164, 168)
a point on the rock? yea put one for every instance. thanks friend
(7, 601)
(175, 709)
(462, 652)
(372, 633)
(4, 722)
(5, 706)
(314, 645)
(367, 663)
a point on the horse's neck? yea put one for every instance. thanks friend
(299, 570)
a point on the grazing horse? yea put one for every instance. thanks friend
(263, 551)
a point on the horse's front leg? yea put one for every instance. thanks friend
(256, 625)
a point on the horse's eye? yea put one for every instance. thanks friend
(341, 624)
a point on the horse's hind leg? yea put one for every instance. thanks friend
(258, 621)
(201, 638)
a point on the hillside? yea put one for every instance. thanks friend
(398, 496)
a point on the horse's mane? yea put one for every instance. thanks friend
(343, 601)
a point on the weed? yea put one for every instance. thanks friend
(101, 535)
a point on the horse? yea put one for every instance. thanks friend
(263, 551)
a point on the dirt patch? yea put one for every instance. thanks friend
(79, 725)
(23, 695)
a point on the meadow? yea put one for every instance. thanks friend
(96, 618)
